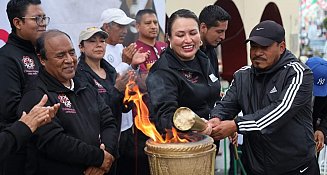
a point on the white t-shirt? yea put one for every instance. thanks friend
(113, 56)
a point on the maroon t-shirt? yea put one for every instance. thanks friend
(155, 52)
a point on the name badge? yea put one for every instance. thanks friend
(213, 78)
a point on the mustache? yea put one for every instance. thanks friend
(258, 58)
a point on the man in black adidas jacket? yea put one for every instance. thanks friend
(274, 95)
(70, 144)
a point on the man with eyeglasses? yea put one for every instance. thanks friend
(19, 65)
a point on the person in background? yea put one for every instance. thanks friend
(183, 75)
(148, 30)
(274, 95)
(115, 22)
(71, 143)
(99, 73)
(124, 59)
(319, 66)
(17, 135)
(19, 65)
(213, 25)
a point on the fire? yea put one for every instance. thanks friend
(141, 120)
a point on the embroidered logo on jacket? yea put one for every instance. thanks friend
(101, 89)
(67, 104)
(191, 77)
(29, 65)
(28, 62)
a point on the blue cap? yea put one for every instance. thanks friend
(319, 69)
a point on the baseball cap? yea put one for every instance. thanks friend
(319, 68)
(266, 33)
(116, 15)
(89, 32)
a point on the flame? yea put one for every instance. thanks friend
(141, 120)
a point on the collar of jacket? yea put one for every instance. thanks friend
(207, 48)
(54, 85)
(110, 70)
(173, 62)
(103, 63)
(20, 43)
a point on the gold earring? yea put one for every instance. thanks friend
(201, 42)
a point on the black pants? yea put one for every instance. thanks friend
(310, 168)
(132, 160)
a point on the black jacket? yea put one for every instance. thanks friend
(13, 138)
(172, 84)
(71, 142)
(18, 65)
(276, 121)
(212, 55)
(105, 87)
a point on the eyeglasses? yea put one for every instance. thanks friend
(40, 20)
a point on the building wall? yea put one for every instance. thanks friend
(251, 11)
(194, 5)
(289, 11)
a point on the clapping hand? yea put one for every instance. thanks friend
(139, 57)
(128, 53)
(122, 80)
(39, 115)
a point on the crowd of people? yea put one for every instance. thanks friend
(64, 114)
